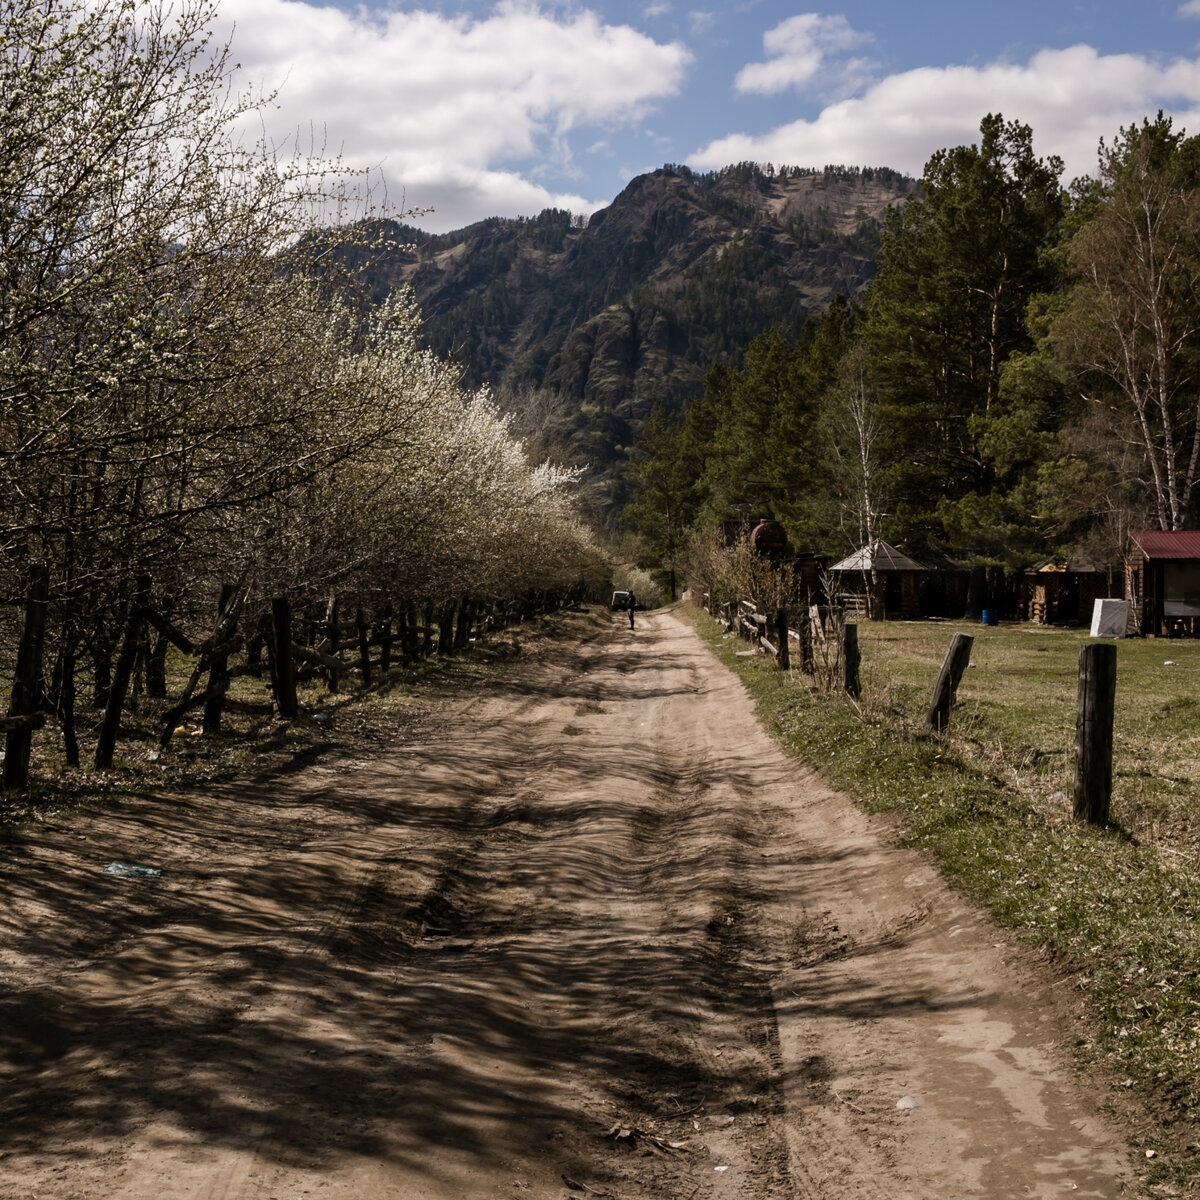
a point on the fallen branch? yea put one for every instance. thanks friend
(172, 633)
(319, 658)
(22, 721)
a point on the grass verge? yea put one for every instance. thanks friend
(1115, 909)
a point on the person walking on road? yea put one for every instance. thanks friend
(631, 604)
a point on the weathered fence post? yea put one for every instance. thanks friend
(26, 696)
(781, 632)
(106, 742)
(850, 660)
(1094, 731)
(807, 661)
(946, 687)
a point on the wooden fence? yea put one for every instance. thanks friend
(271, 641)
(774, 635)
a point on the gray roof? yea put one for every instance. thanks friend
(879, 557)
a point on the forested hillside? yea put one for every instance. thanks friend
(1018, 382)
(615, 315)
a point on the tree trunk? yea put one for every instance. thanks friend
(383, 631)
(466, 616)
(63, 698)
(156, 669)
(331, 636)
(283, 667)
(102, 650)
(364, 645)
(27, 696)
(140, 667)
(106, 742)
(446, 628)
(976, 593)
(255, 643)
(218, 672)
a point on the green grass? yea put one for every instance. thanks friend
(1116, 909)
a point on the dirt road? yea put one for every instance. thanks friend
(592, 935)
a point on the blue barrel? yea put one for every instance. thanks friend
(990, 617)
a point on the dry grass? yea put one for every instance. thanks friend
(1016, 716)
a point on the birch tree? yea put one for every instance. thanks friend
(1131, 325)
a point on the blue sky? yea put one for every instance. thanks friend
(479, 109)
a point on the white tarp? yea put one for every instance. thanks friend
(1110, 618)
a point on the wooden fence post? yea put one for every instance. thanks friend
(850, 660)
(1094, 731)
(807, 661)
(26, 696)
(946, 687)
(781, 632)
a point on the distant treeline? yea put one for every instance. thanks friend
(750, 171)
(1019, 381)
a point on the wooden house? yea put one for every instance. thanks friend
(900, 588)
(1057, 593)
(1163, 582)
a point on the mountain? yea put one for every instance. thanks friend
(618, 313)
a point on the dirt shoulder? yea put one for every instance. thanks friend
(591, 933)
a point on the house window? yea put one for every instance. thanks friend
(1181, 589)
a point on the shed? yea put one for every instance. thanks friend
(901, 582)
(1058, 593)
(1163, 581)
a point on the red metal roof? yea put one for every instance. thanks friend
(1158, 543)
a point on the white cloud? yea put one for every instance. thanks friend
(459, 197)
(798, 51)
(451, 108)
(1070, 97)
(701, 21)
(1190, 9)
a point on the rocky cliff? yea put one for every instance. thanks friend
(629, 309)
